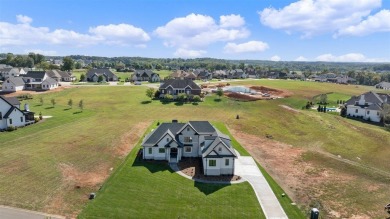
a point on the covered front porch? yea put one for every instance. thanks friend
(173, 154)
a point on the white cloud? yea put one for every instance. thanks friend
(23, 19)
(231, 20)
(25, 34)
(312, 17)
(301, 59)
(188, 53)
(251, 46)
(275, 58)
(380, 22)
(196, 30)
(120, 33)
(42, 52)
(350, 57)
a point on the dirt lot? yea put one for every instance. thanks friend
(308, 182)
(273, 94)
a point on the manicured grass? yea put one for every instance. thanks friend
(31, 158)
(144, 189)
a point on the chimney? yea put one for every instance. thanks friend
(26, 108)
(174, 120)
(362, 101)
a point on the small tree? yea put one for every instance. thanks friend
(81, 105)
(157, 94)
(150, 93)
(323, 99)
(41, 100)
(319, 108)
(100, 78)
(219, 92)
(82, 77)
(70, 103)
(53, 102)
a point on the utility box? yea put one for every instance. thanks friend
(314, 214)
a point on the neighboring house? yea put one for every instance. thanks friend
(61, 75)
(54, 74)
(367, 106)
(13, 84)
(202, 74)
(11, 72)
(177, 86)
(173, 141)
(12, 115)
(219, 74)
(252, 73)
(34, 79)
(49, 84)
(383, 85)
(145, 75)
(67, 76)
(181, 74)
(236, 74)
(93, 75)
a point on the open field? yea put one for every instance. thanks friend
(60, 160)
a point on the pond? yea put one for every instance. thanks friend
(239, 89)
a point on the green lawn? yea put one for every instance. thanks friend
(32, 158)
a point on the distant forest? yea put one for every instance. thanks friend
(366, 73)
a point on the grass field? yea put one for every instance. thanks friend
(52, 157)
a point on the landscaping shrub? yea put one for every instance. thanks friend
(168, 97)
(181, 97)
(11, 128)
(36, 119)
(196, 98)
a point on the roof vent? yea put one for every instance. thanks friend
(174, 120)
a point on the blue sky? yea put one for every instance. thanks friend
(279, 30)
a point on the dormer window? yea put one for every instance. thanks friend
(167, 139)
(188, 129)
(219, 149)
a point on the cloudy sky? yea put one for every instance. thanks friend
(287, 30)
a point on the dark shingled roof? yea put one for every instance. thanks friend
(161, 129)
(100, 71)
(35, 74)
(202, 126)
(12, 100)
(179, 83)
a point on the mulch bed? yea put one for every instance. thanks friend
(193, 168)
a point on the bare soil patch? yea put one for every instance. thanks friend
(309, 183)
(271, 94)
(193, 167)
(73, 177)
(129, 139)
(290, 109)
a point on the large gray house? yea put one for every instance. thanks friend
(173, 141)
(177, 86)
(93, 75)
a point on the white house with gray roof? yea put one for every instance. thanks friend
(367, 106)
(12, 115)
(383, 85)
(173, 141)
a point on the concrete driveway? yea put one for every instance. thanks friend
(16, 213)
(246, 168)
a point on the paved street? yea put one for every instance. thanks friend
(16, 213)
